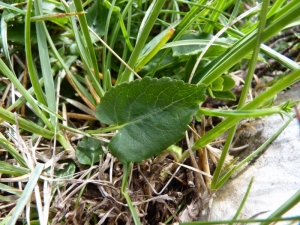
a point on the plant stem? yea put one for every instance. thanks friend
(243, 201)
(126, 172)
(240, 113)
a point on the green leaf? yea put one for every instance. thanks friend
(220, 88)
(4, 143)
(151, 115)
(224, 83)
(15, 34)
(193, 43)
(88, 151)
(66, 173)
(224, 95)
(187, 50)
(228, 83)
(96, 17)
(162, 67)
(217, 85)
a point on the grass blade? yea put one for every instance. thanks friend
(91, 52)
(292, 65)
(214, 16)
(45, 62)
(240, 113)
(4, 37)
(126, 76)
(295, 199)
(7, 168)
(244, 93)
(32, 182)
(12, 151)
(10, 189)
(5, 70)
(11, 7)
(238, 212)
(261, 99)
(221, 64)
(293, 218)
(25, 124)
(31, 68)
(126, 172)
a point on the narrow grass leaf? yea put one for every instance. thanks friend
(260, 100)
(25, 124)
(94, 76)
(238, 212)
(240, 113)
(155, 45)
(22, 100)
(11, 190)
(53, 16)
(295, 199)
(4, 221)
(244, 94)
(250, 221)
(229, 58)
(7, 168)
(214, 16)
(25, 197)
(292, 65)
(29, 59)
(124, 31)
(222, 180)
(12, 151)
(235, 11)
(193, 12)
(111, 7)
(126, 173)
(196, 42)
(86, 59)
(11, 7)
(127, 11)
(45, 62)
(145, 18)
(5, 16)
(142, 38)
(66, 67)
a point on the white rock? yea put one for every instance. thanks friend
(276, 177)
